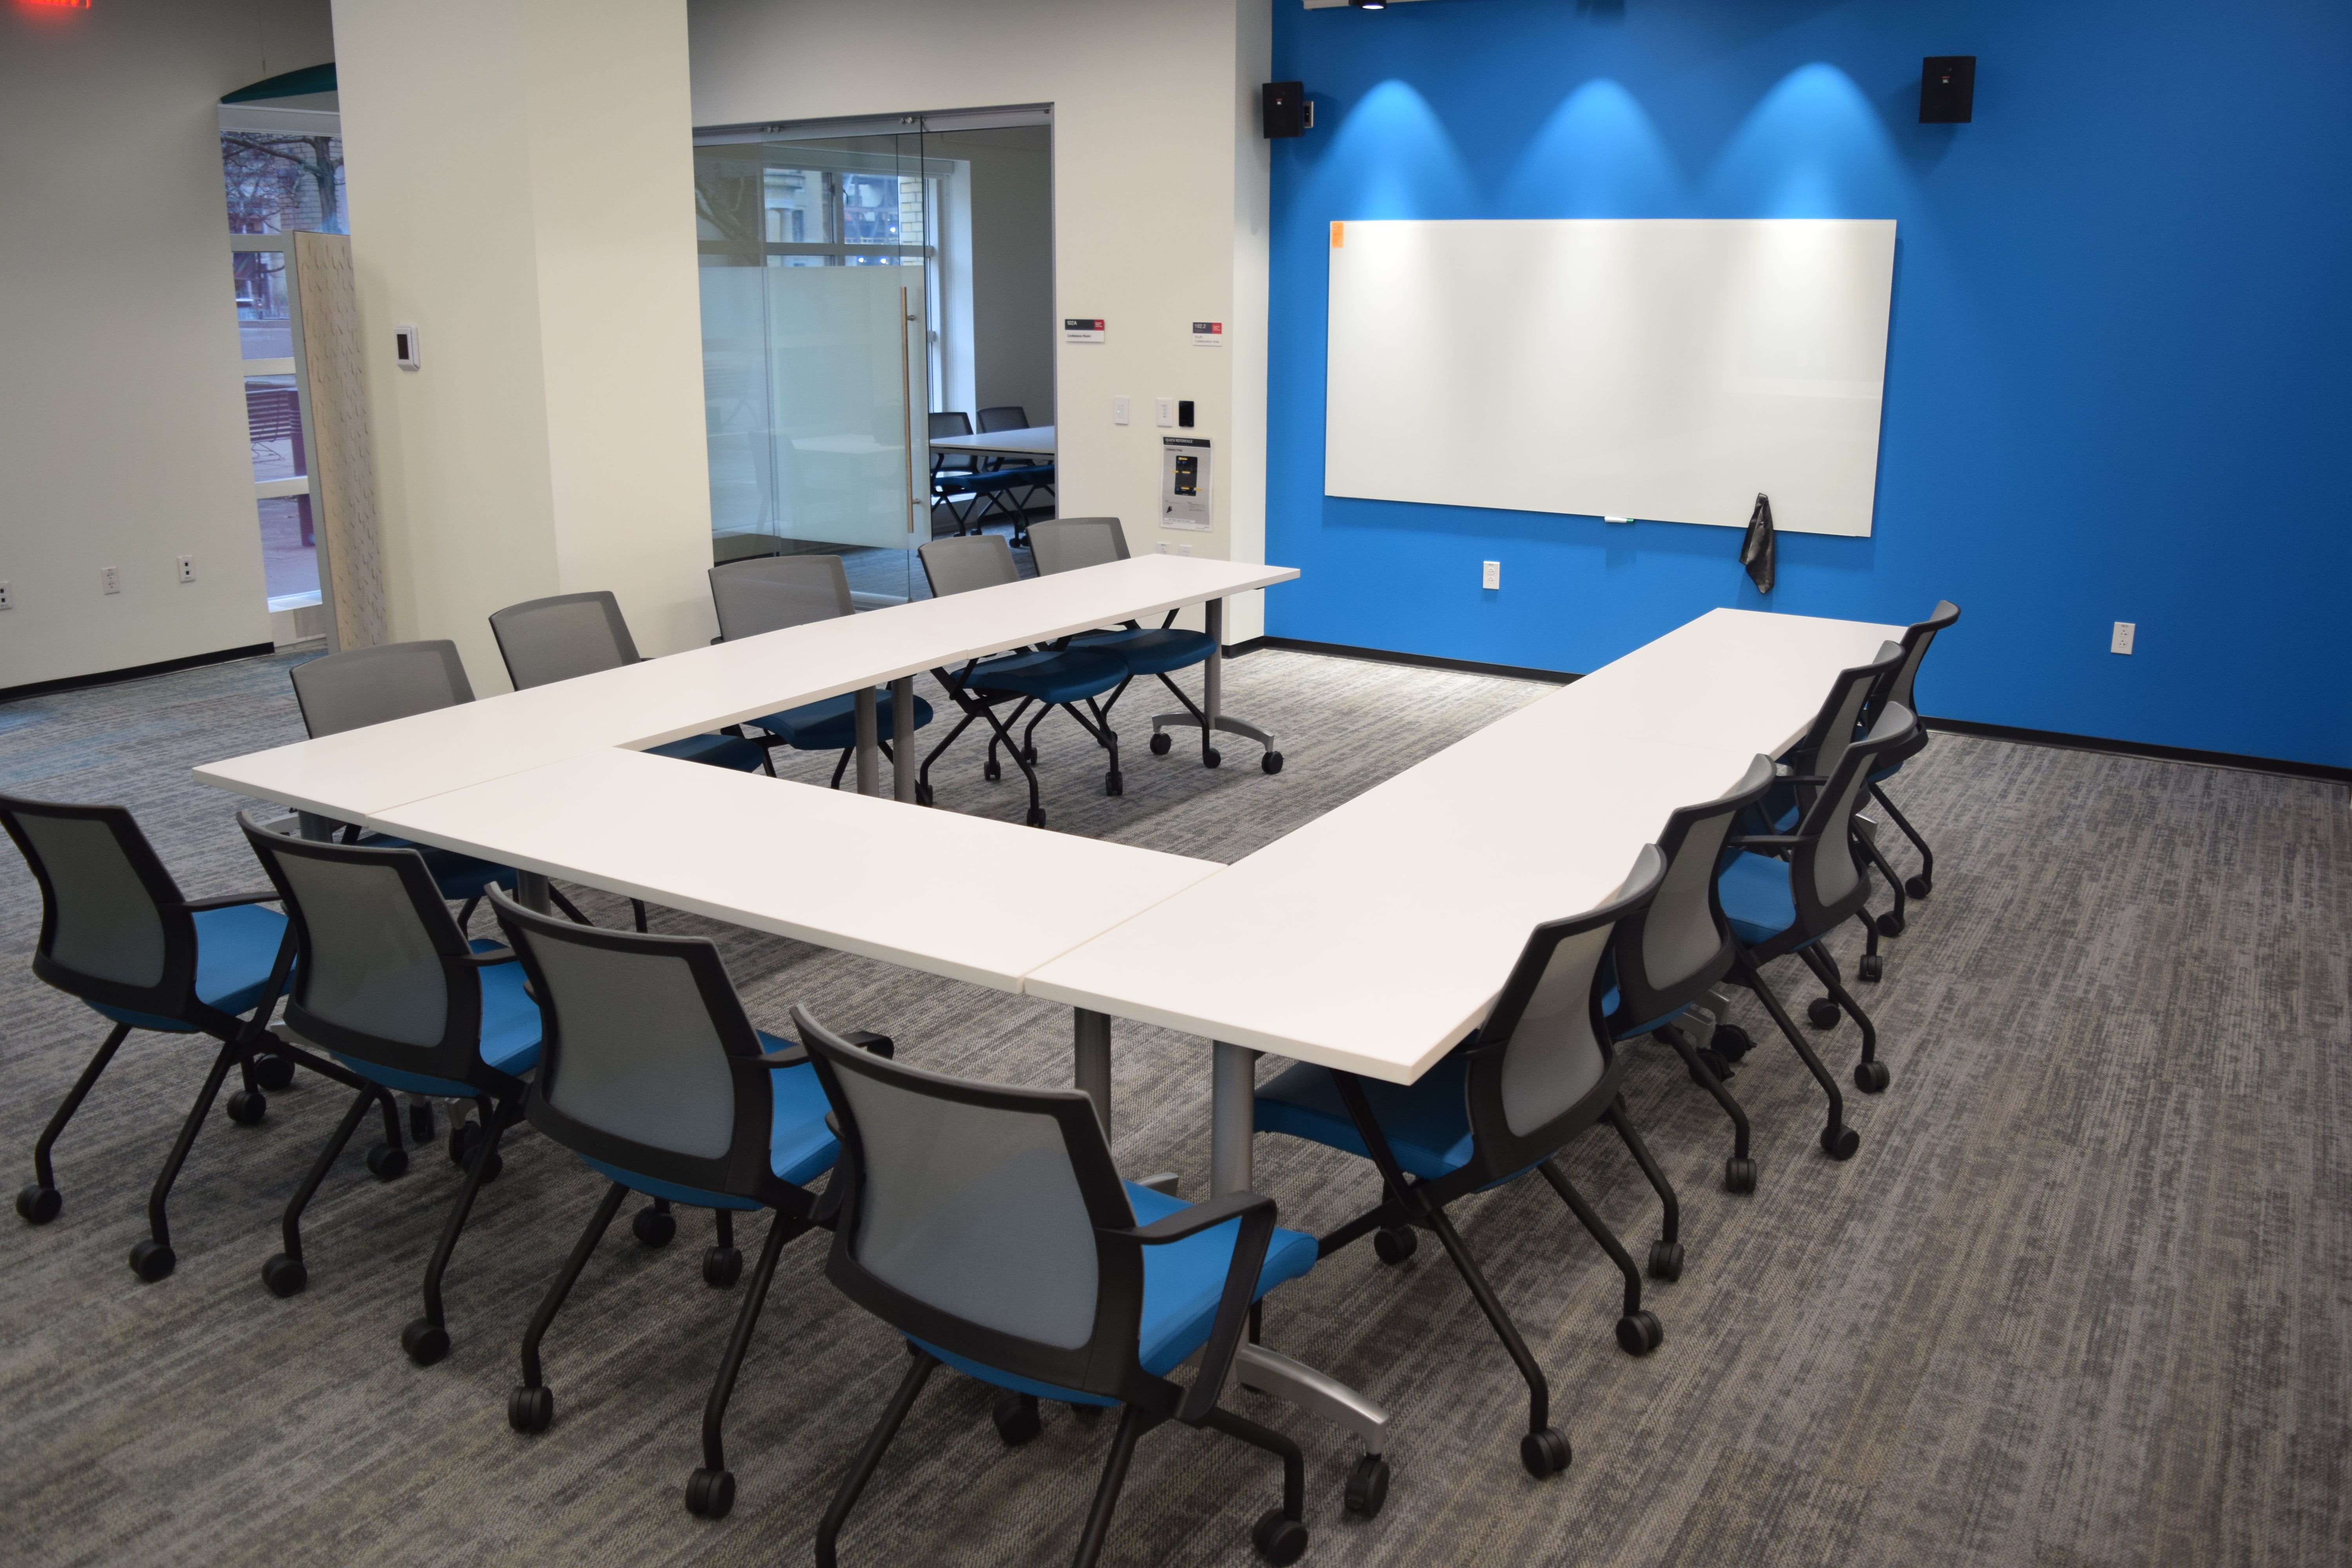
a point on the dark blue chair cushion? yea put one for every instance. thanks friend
(234, 948)
(1182, 1283)
(801, 1147)
(457, 876)
(1154, 650)
(832, 725)
(1756, 897)
(1427, 1123)
(718, 751)
(1050, 677)
(508, 1039)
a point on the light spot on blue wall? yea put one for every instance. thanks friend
(1392, 158)
(1598, 155)
(1814, 147)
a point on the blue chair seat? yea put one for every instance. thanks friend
(234, 950)
(801, 1147)
(1427, 1123)
(457, 876)
(510, 1036)
(1154, 650)
(832, 725)
(1182, 1284)
(1050, 677)
(1755, 898)
(716, 751)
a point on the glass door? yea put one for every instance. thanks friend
(819, 273)
(278, 421)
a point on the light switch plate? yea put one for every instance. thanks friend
(1165, 408)
(1118, 409)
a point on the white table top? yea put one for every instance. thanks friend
(354, 775)
(1033, 440)
(965, 897)
(1375, 937)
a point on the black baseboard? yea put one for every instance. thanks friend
(108, 676)
(1384, 655)
(2065, 742)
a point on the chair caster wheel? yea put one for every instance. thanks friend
(530, 1409)
(37, 1204)
(1639, 1333)
(721, 1267)
(247, 1107)
(1667, 1260)
(464, 1139)
(653, 1227)
(1918, 887)
(425, 1342)
(1738, 1174)
(1211, 757)
(1712, 1063)
(285, 1276)
(1730, 1042)
(1368, 1486)
(1891, 924)
(421, 1130)
(1037, 816)
(1160, 743)
(386, 1162)
(1840, 1142)
(923, 796)
(1822, 1013)
(1545, 1453)
(1271, 762)
(709, 1493)
(1016, 1418)
(1871, 1077)
(1396, 1243)
(1278, 1538)
(1113, 784)
(1029, 756)
(991, 771)
(151, 1259)
(271, 1071)
(1871, 968)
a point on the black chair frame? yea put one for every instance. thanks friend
(1898, 689)
(980, 704)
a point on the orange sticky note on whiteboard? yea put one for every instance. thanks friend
(1339, 234)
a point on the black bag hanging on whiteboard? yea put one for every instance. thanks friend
(1755, 549)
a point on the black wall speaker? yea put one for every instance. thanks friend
(1947, 89)
(1283, 104)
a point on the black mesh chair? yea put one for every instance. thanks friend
(374, 686)
(1032, 478)
(650, 1073)
(1782, 892)
(988, 1225)
(1043, 678)
(1916, 639)
(1540, 1071)
(957, 483)
(117, 933)
(780, 591)
(388, 983)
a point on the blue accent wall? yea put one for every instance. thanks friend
(2118, 363)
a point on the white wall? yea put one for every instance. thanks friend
(521, 190)
(121, 408)
(1159, 199)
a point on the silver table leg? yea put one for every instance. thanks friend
(314, 827)
(1233, 1119)
(1093, 1073)
(531, 892)
(869, 754)
(902, 753)
(1213, 703)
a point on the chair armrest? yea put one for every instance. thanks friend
(882, 1046)
(493, 955)
(1195, 1220)
(1800, 779)
(1257, 1216)
(229, 900)
(1765, 841)
(796, 1057)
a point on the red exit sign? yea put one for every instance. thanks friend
(55, 5)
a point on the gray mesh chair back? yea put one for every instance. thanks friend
(779, 591)
(372, 685)
(947, 425)
(960, 565)
(1667, 956)
(1003, 416)
(114, 928)
(1916, 641)
(1826, 870)
(547, 640)
(1833, 727)
(1067, 543)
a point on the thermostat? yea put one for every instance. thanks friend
(404, 348)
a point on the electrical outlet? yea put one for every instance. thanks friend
(187, 568)
(2121, 642)
(1165, 407)
(1118, 409)
(1490, 574)
(4, 600)
(1163, 547)
(110, 580)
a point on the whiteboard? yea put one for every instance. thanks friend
(1666, 368)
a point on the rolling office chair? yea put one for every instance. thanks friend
(116, 933)
(780, 591)
(651, 1073)
(1046, 678)
(954, 476)
(1537, 1073)
(1023, 1260)
(1029, 477)
(389, 985)
(1798, 890)
(1666, 956)
(1916, 639)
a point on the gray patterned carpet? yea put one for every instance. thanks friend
(2084, 1296)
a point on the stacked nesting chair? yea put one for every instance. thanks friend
(1916, 639)
(780, 591)
(989, 1227)
(1538, 1072)
(1782, 892)
(1030, 478)
(1043, 678)
(650, 1073)
(117, 933)
(390, 985)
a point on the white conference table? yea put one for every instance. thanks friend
(1029, 441)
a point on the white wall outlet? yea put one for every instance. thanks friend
(1163, 547)
(1165, 409)
(1118, 409)
(1490, 574)
(1184, 550)
(4, 600)
(187, 568)
(110, 580)
(2122, 641)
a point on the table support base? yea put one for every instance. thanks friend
(1233, 1119)
(531, 892)
(902, 745)
(869, 754)
(1093, 1066)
